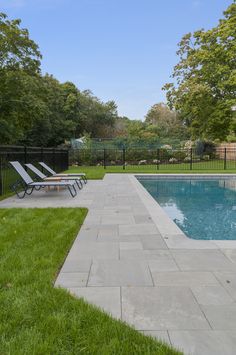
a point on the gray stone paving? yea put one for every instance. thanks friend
(130, 260)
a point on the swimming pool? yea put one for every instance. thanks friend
(201, 208)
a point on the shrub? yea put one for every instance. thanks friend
(173, 160)
(179, 155)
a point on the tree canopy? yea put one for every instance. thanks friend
(205, 79)
(37, 109)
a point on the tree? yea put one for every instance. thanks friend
(205, 79)
(165, 123)
(19, 70)
(17, 50)
(37, 109)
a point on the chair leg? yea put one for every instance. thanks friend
(79, 184)
(29, 192)
(72, 190)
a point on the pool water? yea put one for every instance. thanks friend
(202, 209)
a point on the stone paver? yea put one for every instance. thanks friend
(204, 342)
(160, 335)
(133, 262)
(161, 308)
(207, 260)
(71, 279)
(120, 273)
(107, 298)
(211, 295)
(183, 278)
(221, 316)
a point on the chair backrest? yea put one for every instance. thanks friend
(46, 167)
(22, 172)
(36, 171)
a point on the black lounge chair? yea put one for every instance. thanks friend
(42, 176)
(53, 173)
(28, 185)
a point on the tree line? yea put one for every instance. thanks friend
(37, 109)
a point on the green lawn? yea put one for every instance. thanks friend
(98, 172)
(35, 317)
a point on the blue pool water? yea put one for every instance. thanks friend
(202, 209)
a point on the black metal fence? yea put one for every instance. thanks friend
(158, 159)
(58, 159)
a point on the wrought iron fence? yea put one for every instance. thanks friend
(159, 159)
(58, 159)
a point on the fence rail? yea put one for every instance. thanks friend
(159, 159)
(58, 159)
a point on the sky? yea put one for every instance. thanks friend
(122, 50)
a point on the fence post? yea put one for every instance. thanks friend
(25, 154)
(158, 158)
(123, 158)
(53, 159)
(225, 160)
(41, 157)
(67, 159)
(104, 158)
(191, 158)
(1, 177)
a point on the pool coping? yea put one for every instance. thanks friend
(171, 233)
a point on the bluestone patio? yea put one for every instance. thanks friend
(130, 260)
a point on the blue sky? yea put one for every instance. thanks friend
(122, 50)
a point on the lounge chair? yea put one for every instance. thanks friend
(53, 173)
(28, 185)
(54, 178)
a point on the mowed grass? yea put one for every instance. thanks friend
(35, 317)
(98, 172)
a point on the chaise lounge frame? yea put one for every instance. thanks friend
(29, 185)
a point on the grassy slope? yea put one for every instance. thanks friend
(36, 318)
(98, 172)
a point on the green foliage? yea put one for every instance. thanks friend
(37, 109)
(165, 123)
(205, 79)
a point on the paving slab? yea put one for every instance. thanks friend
(228, 281)
(163, 262)
(221, 317)
(131, 246)
(211, 295)
(119, 273)
(140, 229)
(73, 264)
(110, 230)
(161, 308)
(204, 342)
(160, 335)
(152, 242)
(72, 279)
(95, 250)
(207, 260)
(142, 218)
(118, 218)
(230, 254)
(141, 254)
(127, 241)
(107, 298)
(184, 278)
